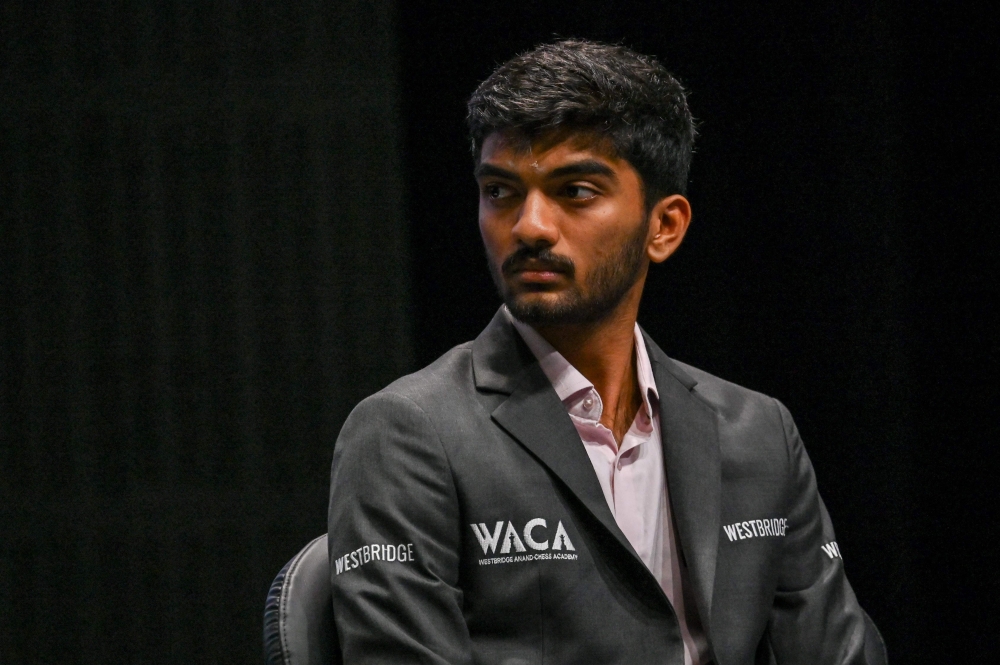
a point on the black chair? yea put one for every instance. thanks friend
(298, 615)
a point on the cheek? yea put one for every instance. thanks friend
(492, 234)
(592, 242)
(593, 247)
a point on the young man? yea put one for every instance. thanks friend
(559, 490)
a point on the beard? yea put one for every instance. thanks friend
(578, 304)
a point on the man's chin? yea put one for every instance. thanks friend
(539, 309)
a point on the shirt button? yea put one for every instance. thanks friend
(588, 403)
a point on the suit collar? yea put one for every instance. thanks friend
(499, 356)
(568, 381)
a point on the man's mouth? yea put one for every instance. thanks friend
(538, 275)
(536, 272)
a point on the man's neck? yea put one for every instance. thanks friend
(604, 352)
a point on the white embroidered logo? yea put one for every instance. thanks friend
(374, 552)
(756, 528)
(832, 550)
(534, 534)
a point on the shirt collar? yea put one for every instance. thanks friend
(568, 381)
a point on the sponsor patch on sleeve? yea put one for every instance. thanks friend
(400, 553)
(765, 528)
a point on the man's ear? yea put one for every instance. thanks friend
(668, 222)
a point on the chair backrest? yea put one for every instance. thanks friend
(298, 614)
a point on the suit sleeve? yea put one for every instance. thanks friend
(394, 539)
(816, 618)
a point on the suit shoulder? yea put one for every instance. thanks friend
(449, 375)
(731, 401)
(411, 403)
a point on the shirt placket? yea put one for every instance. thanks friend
(627, 502)
(629, 511)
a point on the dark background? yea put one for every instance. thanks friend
(222, 226)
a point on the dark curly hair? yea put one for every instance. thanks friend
(576, 85)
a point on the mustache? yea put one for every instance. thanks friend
(540, 259)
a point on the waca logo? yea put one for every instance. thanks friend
(534, 533)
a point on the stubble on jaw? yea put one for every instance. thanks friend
(603, 290)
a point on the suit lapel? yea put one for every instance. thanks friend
(694, 473)
(535, 417)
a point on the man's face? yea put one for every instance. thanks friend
(564, 226)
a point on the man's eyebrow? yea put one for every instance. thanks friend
(487, 170)
(585, 167)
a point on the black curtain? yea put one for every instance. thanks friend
(222, 224)
(204, 263)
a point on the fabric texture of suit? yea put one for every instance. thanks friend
(431, 474)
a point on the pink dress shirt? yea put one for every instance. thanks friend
(632, 475)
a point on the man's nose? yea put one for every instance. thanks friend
(536, 223)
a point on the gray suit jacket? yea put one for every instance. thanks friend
(467, 525)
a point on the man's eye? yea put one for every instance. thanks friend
(579, 192)
(495, 192)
